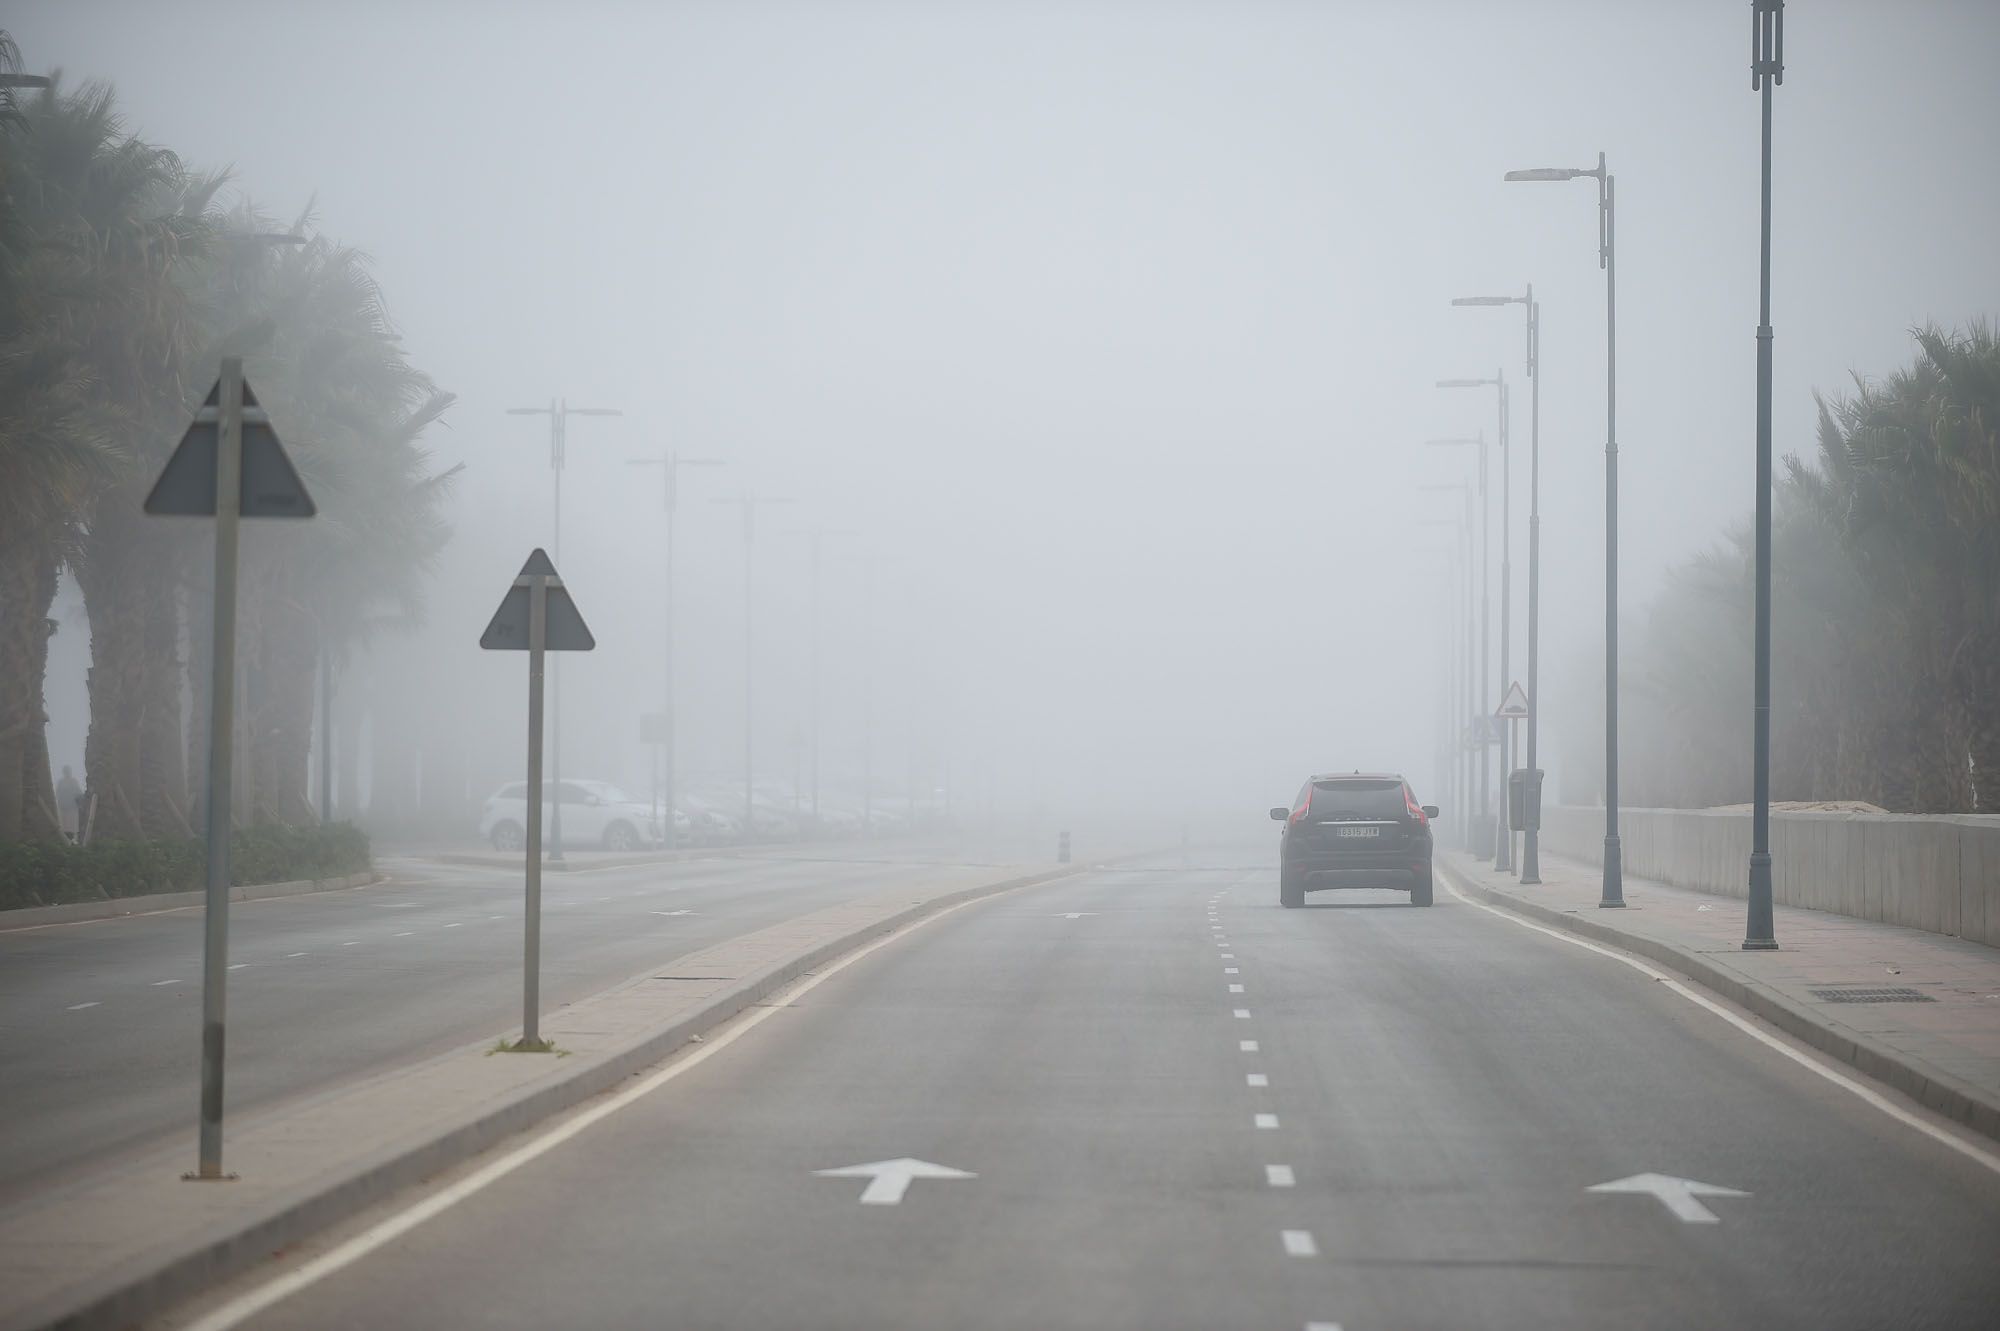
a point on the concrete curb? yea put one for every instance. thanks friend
(1963, 1103)
(148, 1286)
(33, 917)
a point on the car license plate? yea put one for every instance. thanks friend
(1359, 831)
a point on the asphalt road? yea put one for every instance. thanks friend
(100, 1022)
(1442, 1089)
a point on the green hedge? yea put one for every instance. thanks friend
(47, 875)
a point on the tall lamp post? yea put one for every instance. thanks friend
(670, 464)
(1767, 69)
(1503, 838)
(749, 503)
(1531, 855)
(1607, 259)
(558, 411)
(1485, 546)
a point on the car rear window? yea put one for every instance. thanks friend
(1357, 799)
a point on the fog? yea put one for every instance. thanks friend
(1098, 339)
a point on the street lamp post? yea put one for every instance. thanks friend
(558, 411)
(670, 464)
(1503, 832)
(1485, 545)
(1767, 69)
(1531, 855)
(749, 503)
(1607, 259)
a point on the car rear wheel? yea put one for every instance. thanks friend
(508, 836)
(621, 836)
(1291, 889)
(1420, 893)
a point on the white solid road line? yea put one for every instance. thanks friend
(235, 1312)
(1268, 1122)
(1299, 1243)
(1841, 1079)
(1280, 1176)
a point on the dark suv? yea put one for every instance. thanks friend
(1355, 829)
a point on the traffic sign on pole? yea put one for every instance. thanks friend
(536, 616)
(1515, 705)
(228, 465)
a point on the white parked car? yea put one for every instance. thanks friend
(594, 813)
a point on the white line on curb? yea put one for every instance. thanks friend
(1838, 1078)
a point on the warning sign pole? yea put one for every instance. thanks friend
(221, 721)
(228, 465)
(537, 616)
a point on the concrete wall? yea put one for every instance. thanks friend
(1937, 873)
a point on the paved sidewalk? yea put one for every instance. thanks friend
(114, 1245)
(1944, 1052)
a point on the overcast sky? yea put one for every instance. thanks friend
(1109, 328)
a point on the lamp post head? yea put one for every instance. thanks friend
(1553, 173)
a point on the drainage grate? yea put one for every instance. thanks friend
(1871, 996)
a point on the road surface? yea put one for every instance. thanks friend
(100, 1022)
(1397, 1122)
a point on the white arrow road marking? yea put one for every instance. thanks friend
(888, 1180)
(1676, 1194)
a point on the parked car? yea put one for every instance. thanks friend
(1355, 829)
(594, 813)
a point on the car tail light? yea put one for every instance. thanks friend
(1416, 809)
(1304, 804)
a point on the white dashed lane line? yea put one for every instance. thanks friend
(78, 1007)
(406, 933)
(239, 965)
(158, 983)
(1231, 970)
(1280, 1176)
(1265, 1122)
(352, 942)
(1256, 1079)
(1247, 1046)
(291, 955)
(1235, 988)
(1243, 1014)
(1299, 1243)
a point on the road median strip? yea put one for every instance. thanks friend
(1962, 1102)
(151, 903)
(156, 1239)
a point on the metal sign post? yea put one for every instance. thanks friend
(536, 616)
(229, 464)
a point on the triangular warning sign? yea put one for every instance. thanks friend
(563, 629)
(1515, 704)
(270, 487)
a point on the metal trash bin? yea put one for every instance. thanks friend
(1524, 798)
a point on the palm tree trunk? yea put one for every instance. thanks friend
(28, 568)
